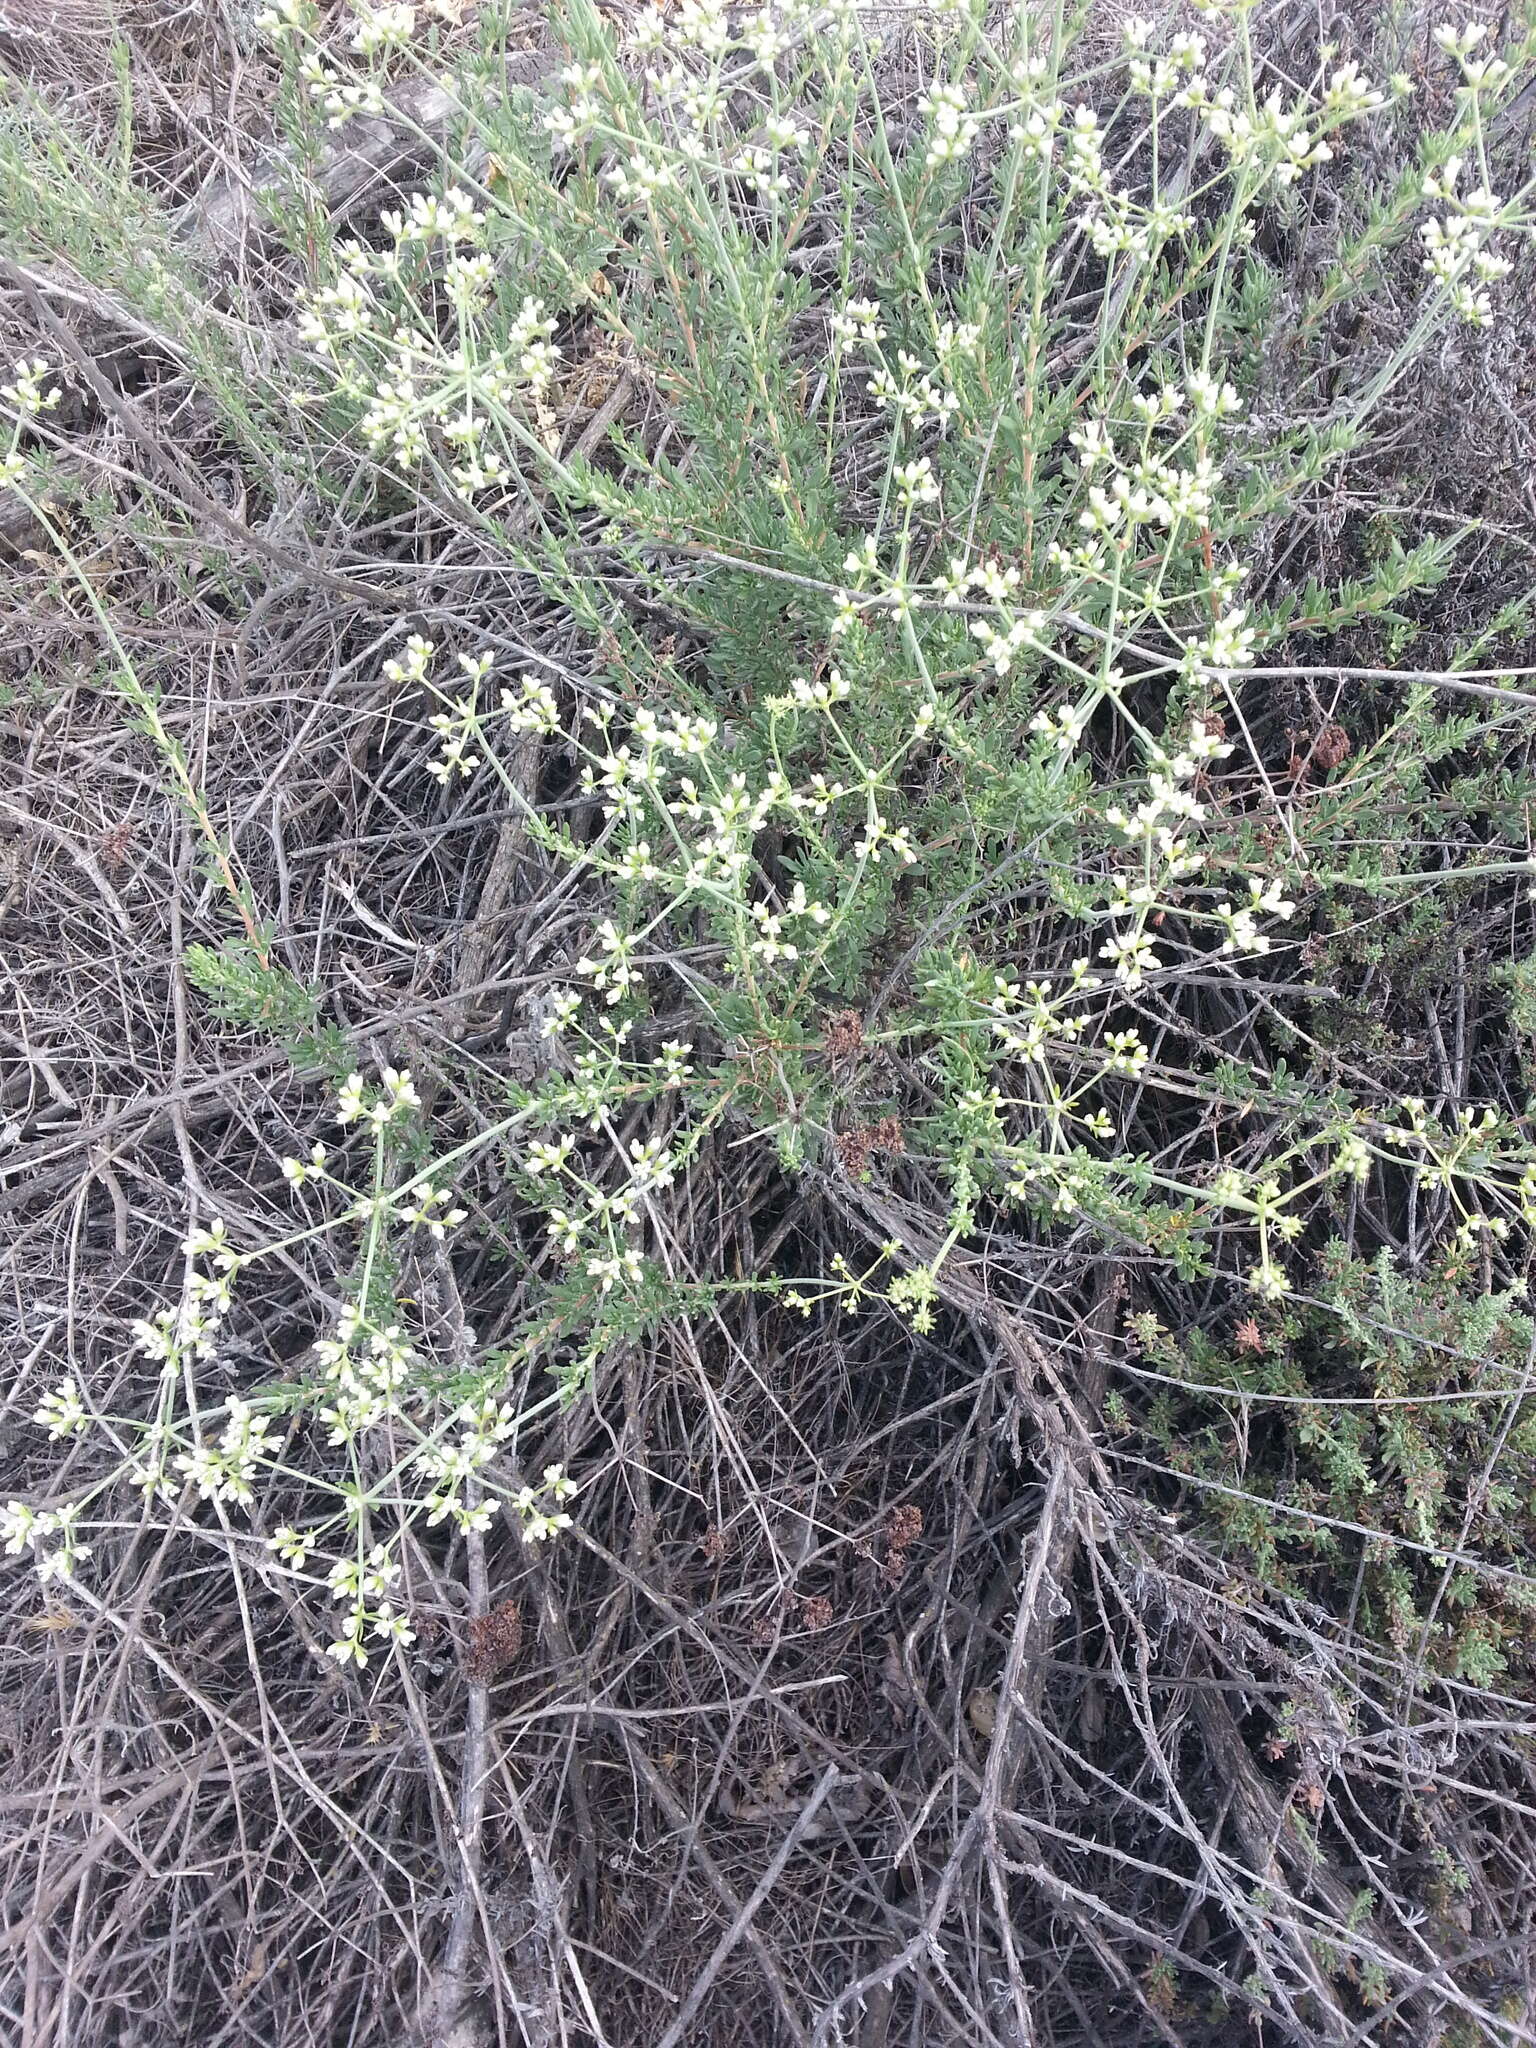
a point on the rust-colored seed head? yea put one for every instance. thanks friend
(903, 1526)
(844, 1035)
(495, 1641)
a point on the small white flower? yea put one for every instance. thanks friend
(785, 134)
(1460, 42)
(560, 1006)
(672, 1063)
(1092, 442)
(954, 129)
(283, 18)
(297, 1171)
(859, 320)
(1132, 955)
(61, 1411)
(411, 664)
(24, 394)
(388, 27)
(1065, 726)
(212, 1243)
(1127, 1054)
(398, 1097)
(541, 1158)
(1211, 396)
(349, 1099)
(291, 1547)
(532, 707)
(916, 483)
(1268, 1282)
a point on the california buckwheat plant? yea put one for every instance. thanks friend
(978, 624)
(1058, 549)
(905, 569)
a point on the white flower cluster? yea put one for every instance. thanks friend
(1212, 397)
(858, 320)
(880, 837)
(1172, 487)
(226, 1469)
(387, 27)
(24, 394)
(529, 708)
(341, 99)
(818, 695)
(1149, 488)
(455, 1463)
(909, 390)
(449, 217)
(953, 127)
(381, 26)
(609, 967)
(915, 482)
(285, 18)
(1114, 223)
(456, 727)
(423, 398)
(769, 943)
(24, 399)
(220, 1470)
(1066, 723)
(687, 121)
(1268, 141)
(421, 1204)
(364, 1372)
(540, 1508)
(571, 123)
(1479, 73)
(911, 394)
(639, 778)
(1004, 640)
(1065, 1183)
(994, 579)
(363, 1585)
(701, 26)
(61, 1411)
(1463, 1162)
(1126, 1054)
(396, 1095)
(1348, 94)
(1157, 827)
(370, 1376)
(49, 1533)
(1027, 1020)
(761, 167)
(1456, 250)
(1265, 898)
(1273, 141)
(890, 588)
(596, 1226)
(1178, 73)
(425, 1206)
(1227, 646)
